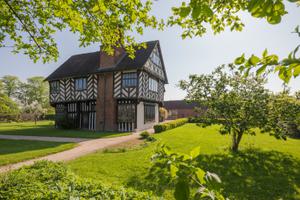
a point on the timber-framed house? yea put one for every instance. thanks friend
(100, 92)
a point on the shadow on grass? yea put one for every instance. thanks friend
(251, 174)
(51, 131)
(13, 146)
(256, 174)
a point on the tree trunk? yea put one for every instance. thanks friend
(236, 139)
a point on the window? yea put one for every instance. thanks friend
(153, 84)
(126, 113)
(80, 84)
(129, 79)
(54, 87)
(155, 59)
(149, 113)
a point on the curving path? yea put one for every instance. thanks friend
(83, 148)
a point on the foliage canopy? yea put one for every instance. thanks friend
(237, 103)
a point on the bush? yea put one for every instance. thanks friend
(48, 180)
(65, 123)
(170, 125)
(145, 134)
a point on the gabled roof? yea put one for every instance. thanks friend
(88, 63)
(77, 65)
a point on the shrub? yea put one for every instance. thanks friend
(151, 139)
(48, 180)
(65, 123)
(170, 125)
(145, 134)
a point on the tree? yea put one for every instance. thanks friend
(34, 111)
(106, 22)
(1, 87)
(237, 103)
(283, 116)
(7, 106)
(37, 90)
(11, 85)
(195, 15)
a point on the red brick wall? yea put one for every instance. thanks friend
(110, 60)
(182, 113)
(106, 108)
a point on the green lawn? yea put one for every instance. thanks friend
(266, 168)
(13, 151)
(46, 128)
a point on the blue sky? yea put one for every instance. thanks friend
(182, 57)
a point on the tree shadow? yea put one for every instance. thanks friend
(18, 146)
(51, 131)
(255, 174)
(251, 174)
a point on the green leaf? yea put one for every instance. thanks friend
(196, 12)
(182, 191)
(173, 170)
(184, 11)
(275, 19)
(195, 152)
(296, 71)
(200, 175)
(240, 60)
(253, 60)
(207, 11)
(265, 53)
(261, 70)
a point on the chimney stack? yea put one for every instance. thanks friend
(111, 60)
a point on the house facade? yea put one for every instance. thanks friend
(100, 92)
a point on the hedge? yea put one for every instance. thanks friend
(49, 180)
(169, 125)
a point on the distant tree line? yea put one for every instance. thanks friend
(23, 100)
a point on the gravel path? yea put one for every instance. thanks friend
(83, 148)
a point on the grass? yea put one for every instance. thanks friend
(13, 151)
(46, 128)
(265, 168)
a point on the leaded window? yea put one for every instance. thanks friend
(80, 84)
(149, 113)
(155, 59)
(54, 87)
(129, 79)
(126, 113)
(153, 85)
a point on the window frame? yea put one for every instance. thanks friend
(153, 84)
(129, 82)
(83, 84)
(149, 114)
(126, 112)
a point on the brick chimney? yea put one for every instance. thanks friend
(110, 60)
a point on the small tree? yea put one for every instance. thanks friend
(163, 114)
(34, 111)
(236, 102)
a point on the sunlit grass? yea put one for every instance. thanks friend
(266, 168)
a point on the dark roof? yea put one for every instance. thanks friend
(77, 65)
(179, 104)
(88, 63)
